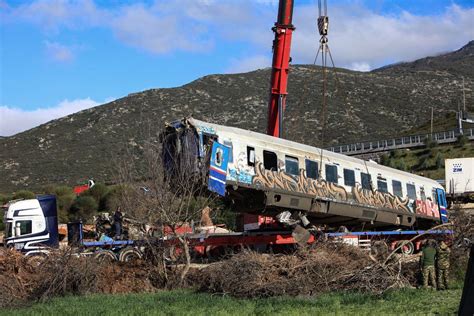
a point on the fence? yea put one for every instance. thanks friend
(399, 143)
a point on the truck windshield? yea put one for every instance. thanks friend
(8, 229)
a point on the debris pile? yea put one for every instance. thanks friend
(329, 267)
(25, 280)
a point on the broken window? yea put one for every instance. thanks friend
(349, 177)
(422, 194)
(270, 161)
(311, 169)
(291, 165)
(250, 156)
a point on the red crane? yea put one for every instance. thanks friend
(283, 30)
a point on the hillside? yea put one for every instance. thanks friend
(372, 105)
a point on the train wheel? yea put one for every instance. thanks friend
(129, 254)
(105, 256)
(407, 247)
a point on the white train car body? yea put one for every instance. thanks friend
(265, 175)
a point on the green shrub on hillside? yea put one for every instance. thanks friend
(439, 161)
(430, 142)
(397, 153)
(112, 200)
(462, 140)
(401, 165)
(99, 191)
(23, 194)
(83, 208)
(424, 165)
(4, 198)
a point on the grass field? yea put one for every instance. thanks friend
(180, 302)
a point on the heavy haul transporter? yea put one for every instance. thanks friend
(31, 228)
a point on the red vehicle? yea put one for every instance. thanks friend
(81, 188)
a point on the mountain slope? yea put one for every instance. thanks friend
(372, 105)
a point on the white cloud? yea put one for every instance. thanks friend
(360, 66)
(142, 27)
(14, 120)
(357, 35)
(59, 52)
(249, 64)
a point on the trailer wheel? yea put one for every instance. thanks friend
(129, 254)
(407, 247)
(105, 256)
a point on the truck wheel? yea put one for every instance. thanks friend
(408, 248)
(129, 254)
(105, 256)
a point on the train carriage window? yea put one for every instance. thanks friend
(331, 173)
(366, 180)
(250, 156)
(397, 188)
(349, 177)
(311, 169)
(270, 161)
(291, 165)
(382, 185)
(422, 194)
(411, 191)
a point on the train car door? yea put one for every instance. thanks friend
(443, 213)
(218, 168)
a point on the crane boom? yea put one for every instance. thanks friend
(283, 30)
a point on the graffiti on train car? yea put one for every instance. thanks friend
(380, 199)
(301, 184)
(427, 208)
(325, 189)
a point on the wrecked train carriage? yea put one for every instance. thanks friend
(267, 175)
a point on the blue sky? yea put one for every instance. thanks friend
(61, 56)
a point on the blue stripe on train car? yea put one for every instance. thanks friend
(218, 168)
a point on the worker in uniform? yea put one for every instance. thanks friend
(118, 217)
(442, 265)
(427, 264)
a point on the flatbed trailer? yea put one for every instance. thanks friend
(215, 245)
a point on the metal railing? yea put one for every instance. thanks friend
(399, 143)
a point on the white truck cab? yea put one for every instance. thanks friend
(31, 226)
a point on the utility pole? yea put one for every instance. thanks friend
(463, 96)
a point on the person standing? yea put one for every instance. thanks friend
(442, 265)
(427, 264)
